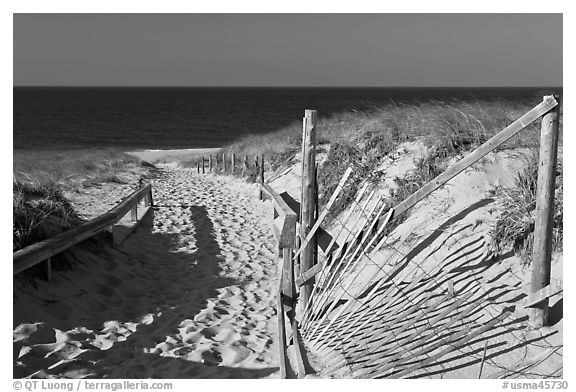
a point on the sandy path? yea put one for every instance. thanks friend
(190, 294)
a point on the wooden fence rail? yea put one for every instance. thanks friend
(43, 250)
(285, 218)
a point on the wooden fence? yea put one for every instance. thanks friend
(298, 229)
(231, 163)
(42, 251)
(285, 221)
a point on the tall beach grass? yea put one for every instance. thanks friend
(514, 229)
(452, 125)
(361, 139)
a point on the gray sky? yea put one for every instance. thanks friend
(288, 49)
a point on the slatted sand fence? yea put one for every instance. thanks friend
(391, 308)
(427, 299)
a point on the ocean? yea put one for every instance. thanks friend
(60, 118)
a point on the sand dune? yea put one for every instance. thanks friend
(189, 295)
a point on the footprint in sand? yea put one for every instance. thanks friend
(211, 358)
(224, 335)
(184, 351)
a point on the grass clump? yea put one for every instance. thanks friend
(362, 153)
(514, 229)
(39, 213)
(426, 169)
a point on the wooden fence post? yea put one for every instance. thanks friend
(262, 169)
(246, 166)
(198, 166)
(47, 267)
(543, 225)
(233, 162)
(316, 209)
(288, 287)
(223, 163)
(134, 213)
(308, 209)
(203, 166)
(296, 263)
(261, 176)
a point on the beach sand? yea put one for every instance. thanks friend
(191, 294)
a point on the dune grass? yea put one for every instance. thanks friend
(40, 178)
(71, 168)
(514, 229)
(361, 139)
(452, 126)
(39, 213)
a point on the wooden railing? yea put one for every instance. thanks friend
(285, 221)
(284, 218)
(44, 250)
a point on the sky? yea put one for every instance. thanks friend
(287, 49)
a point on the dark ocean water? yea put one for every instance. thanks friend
(163, 118)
